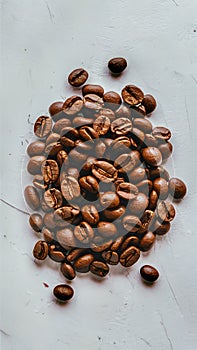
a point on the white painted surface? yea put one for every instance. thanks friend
(42, 42)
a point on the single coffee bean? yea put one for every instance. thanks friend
(99, 268)
(107, 229)
(153, 199)
(110, 257)
(62, 158)
(129, 256)
(149, 103)
(107, 112)
(161, 133)
(48, 235)
(82, 121)
(40, 250)
(121, 126)
(149, 273)
(32, 197)
(109, 200)
(165, 211)
(75, 253)
(36, 148)
(166, 150)
(70, 133)
(68, 271)
(66, 238)
(117, 65)
(92, 89)
(36, 222)
(101, 125)
(152, 156)
(70, 188)
(61, 124)
(127, 191)
(147, 241)
(56, 255)
(177, 188)
(145, 186)
(87, 133)
(138, 204)
(150, 141)
(132, 95)
(53, 137)
(73, 105)
(84, 232)
(127, 161)
(120, 144)
(34, 164)
(161, 228)
(138, 174)
(104, 171)
(117, 244)
(55, 110)
(98, 247)
(160, 185)
(89, 184)
(67, 213)
(147, 221)
(63, 292)
(123, 112)
(158, 172)
(50, 170)
(78, 77)
(53, 148)
(90, 214)
(113, 214)
(49, 221)
(128, 242)
(142, 124)
(53, 198)
(92, 101)
(131, 223)
(112, 100)
(82, 264)
(42, 126)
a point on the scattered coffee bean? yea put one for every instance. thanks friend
(36, 222)
(92, 89)
(36, 148)
(112, 100)
(73, 105)
(177, 188)
(110, 257)
(82, 264)
(161, 133)
(55, 110)
(132, 95)
(117, 65)
(165, 211)
(42, 126)
(99, 268)
(32, 197)
(129, 256)
(78, 77)
(149, 103)
(40, 250)
(149, 273)
(68, 271)
(63, 292)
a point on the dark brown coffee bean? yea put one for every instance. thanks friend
(32, 197)
(127, 161)
(138, 204)
(42, 126)
(67, 213)
(92, 89)
(62, 158)
(177, 188)
(110, 257)
(34, 164)
(150, 141)
(113, 214)
(66, 238)
(112, 100)
(70, 188)
(131, 223)
(78, 77)
(61, 124)
(82, 264)
(158, 172)
(166, 150)
(50, 170)
(48, 235)
(152, 156)
(53, 137)
(84, 232)
(160, 185)
(143, 124)
(109, 199)
(165, 211)
(55, 110)
(89, 183)
(90, 214)
(161, 228)
(132, 95)
(147, 221)
(53, 198)
(123, 112)
(147, 241)
(56, 255)
(130, 242)
(117, 65)
(73, 105)
(117, 244)
(137, 138)
(49, 221)
(161, 133)
(149, 103)
(121, 126)
(92, 101)
(101, 125)
(36, 148)
(127, 191)
(40, 250)
(107, 112)
(129, 256)
(149, 273)
(99, 268)
(153, 198)
(36, 222)
(104, 171)
(87, 133)
(88, 165)
(145, 186)
(75, 253)
(107, 229)
(63, 292)
(138, 174)
(68, 271)
(53, 148)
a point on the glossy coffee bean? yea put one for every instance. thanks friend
(110, 257)
(67, 213)
(145, 186)
(93, 102)
(40, 250)
(149, 103)
(75, 253)
(152, 156)
(78, 77)
(165, 211)
(53, 137)
(161, 228)
(161, 133)
(82, 264)
(150, 141)
(34, 164)
(115, 246)
(160, 185)
(53, 198)
(131, 223)
(106, 229)
(68, 271)
(156, 172)
(104, 171)
(121, 126)
(62, 158)
(73, 105)
(50, 170)
(114, 214)
(137, 138)
(177, 188)
(149, 273)
(87, 133)
(55, 254)
(117, 65)
(52, 149)
(70, 188)
(92, 89)
(36, 148)
(123, 112)
(36, 222)
(90, 214)
(42, 126)
(112, 100)
(55, 110)
(99, 268)
(66, 238)
(101, 125)
(142, 124)
(109, 200)
(32, 197)
(147, 221)
(132, 95)
(138, 204)
(147, 241)
(127, 191)
(129, 256)
(99, 247)
(89, 184)
(63, 292)
(83, 232)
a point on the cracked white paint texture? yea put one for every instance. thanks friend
(42, 41)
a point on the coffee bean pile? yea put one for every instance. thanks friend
(99, 180)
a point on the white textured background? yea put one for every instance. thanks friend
(42, 41)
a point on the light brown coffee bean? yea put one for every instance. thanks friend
(101, 125)
(83, 232)
(49, 221)
(117, 244)
(143, 124)
(78, 77)
(67, 213)
(34, 164)
(66, 238)
(150, 141)
(89, 183)
(109, 200)
(127, 191)
(61, 124)
(32, 197)
(68, 271)
(113, 214)
(98, 247)
(165, 211)
(99, 268)
(127, 161)
(82, 121)
(87, 133)
(63, 292)
(53, 137)
(153, 199)
(36, 148)
(90, 214)
(128, 242)
(147, 221)
(123, 112)
(48, 235)
(130, 256)
(73, 105)
(104, 171)
(152, 156)
(92, 89)
(121, 126)
(53, 148)
(107, 112)
(42, 126)
(138, 204)
(160, 185)
(53, 198)
(120, 144)
(70, 188)
(138, 174)
(82, 264)
(132, 95)
(131, 223)
(92, 101)
(106, 229)
(50, 170)
(40, 250)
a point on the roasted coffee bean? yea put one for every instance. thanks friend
(140, 111)
(53, 148)
(88, 165)
(70, 188)
(40, 250)
(50, 170)
(149, 103)
(166, 150)
(132, 95)
(87, 133)
(45, 207)
(92, 101)
(62, 158)
(109, 200)
(48, 235)
(128, 242)
(73, 105)
(53, 198)
(149, 273)
(152, 156)
(107, 112)
(137, 138)
(38, 182)
(159, 171)
(127, 161)
(81, 146)
(99, 268)
(34, 164)
(106, 229)
(49, 221)
(117, 244)
(129, 256)
(75, 253)
(66, 238)
(81, 121)
(150, 141)
(36, 148)
(120, 144)
(147, 241)
(63, 292)
(177, 188)
(138, 204)
(36, 222)
(74, 172)
(68, 271)
(113, 214)
(117, 65)
(67, 213)
(42, 126)
(32, 197)
(161, 228)
(123, 112)
(127, 191)
(112, 100)
(161, 133)
(165, 211)
(138, 174)
(160, 185)
(104, 171)
(92, 89)
(56, 255)
(90, 214)
(78, 77)
(61, 124)
(110, 257)
(100, 149)
(101, 125)
(53, 137)
(81, 157)
(84, 232)
(55, 110)
(142, 124)
(70, 133)
(82, 264)
(153, 198)
(89, 184)
(147, 220)
(98, 247)
(131, 223)
(145, 186)
(121, 126)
